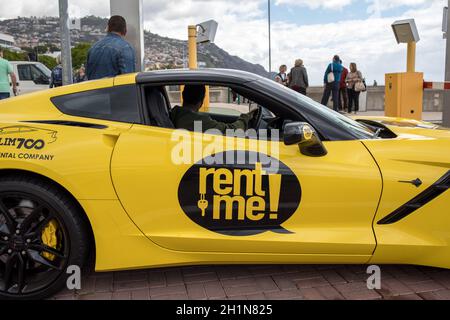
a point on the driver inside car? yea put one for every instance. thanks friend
(185, 117)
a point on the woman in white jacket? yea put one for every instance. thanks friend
(354, 77)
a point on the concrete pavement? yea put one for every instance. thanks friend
(272, 282)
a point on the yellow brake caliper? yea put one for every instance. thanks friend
(50, 239)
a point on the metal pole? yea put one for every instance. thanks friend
(270, 38)
(66, 51)
(446, 113)
(132, 11)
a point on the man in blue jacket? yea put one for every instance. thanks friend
(332, 87)
(56, 78)
(112, 55)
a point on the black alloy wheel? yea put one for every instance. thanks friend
(41, 234)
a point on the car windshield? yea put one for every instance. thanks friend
(361, 131)
(43, 69)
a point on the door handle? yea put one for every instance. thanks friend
(110, 139)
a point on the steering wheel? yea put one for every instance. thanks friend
(255, 123)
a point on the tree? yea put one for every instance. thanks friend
(14, 56)
(79, 54)
(49, 62)
(52, 47)
(41, 49)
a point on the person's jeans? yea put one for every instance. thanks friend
(331, 88)
(343, 99)
(4, 95)
(353, 100)
(299, 90)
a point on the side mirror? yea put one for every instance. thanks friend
(266, 113)
(306, 137)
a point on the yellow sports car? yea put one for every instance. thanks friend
(97, 169)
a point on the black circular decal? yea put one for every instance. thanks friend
(240, 193)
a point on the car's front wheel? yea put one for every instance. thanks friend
(42, 233)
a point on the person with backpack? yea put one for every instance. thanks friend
(298, 78)
(355, 85)
(56, 79)
(332, 82)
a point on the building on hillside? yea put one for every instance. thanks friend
(7, 42)
(54, 55)
(75, 24)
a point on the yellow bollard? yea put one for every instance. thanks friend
(411, 58)
(192, 47)
(193, 62)
(205, 106)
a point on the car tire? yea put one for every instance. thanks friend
(34, 258)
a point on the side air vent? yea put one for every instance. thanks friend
(385, 132)
(418, 202)
(70, 124)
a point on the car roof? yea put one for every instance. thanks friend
(213, 75)
(24, 62)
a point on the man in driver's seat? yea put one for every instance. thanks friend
(186, 116)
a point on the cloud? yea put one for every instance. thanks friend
(377, 7)
(242, 25)
(370, 43)
(243, 31)
(391, 4)
(316, 4)
(11, 9)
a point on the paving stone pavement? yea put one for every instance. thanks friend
(273, 282)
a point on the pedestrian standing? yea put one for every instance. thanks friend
(6, 72)
(332, 80)
(282, 77)
(234, 96)
(298, 78)
(81, 75)
(56, 78)
(343, 96)
(355, 85)
(112, 55)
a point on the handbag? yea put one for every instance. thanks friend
(359, 86)
(330, 76)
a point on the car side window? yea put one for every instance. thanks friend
(24, 72)
(223, 101)
(114, 104)
(36, 74)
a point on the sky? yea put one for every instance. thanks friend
(313, 30)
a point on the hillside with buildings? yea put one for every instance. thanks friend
(160, 52)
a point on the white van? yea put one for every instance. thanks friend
(31, 76)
